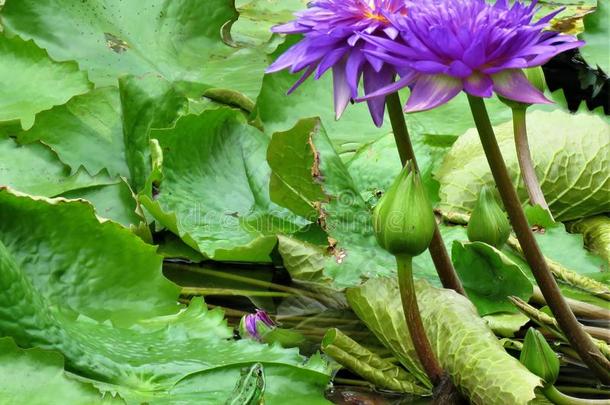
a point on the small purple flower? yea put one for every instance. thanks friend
(453, 45)
(253, 323)
(332, 32)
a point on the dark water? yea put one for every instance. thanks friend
(350, 395)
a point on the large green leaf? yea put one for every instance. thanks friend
(86, 131)
(597, 31)
(36, 82)
(35, 169)
(283, 385)
(115, 201)
(214, 192)
(142, 362)
(571, 167)
(465, 346)
(181, 40)
(489, 277)
(146, 102)
(309, 178)
(257, 17)
(99, 269)
(37, 377)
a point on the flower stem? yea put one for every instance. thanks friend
(439, 254)
(426, 356)
(559, 398)
(528, 174)
(579, 340)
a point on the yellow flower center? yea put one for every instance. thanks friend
(371, 15)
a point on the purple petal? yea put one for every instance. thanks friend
(329, 60)
(479, 85)
(342, 93)
(392, 88)
(513, 84)
(264, 317)
(459, 69)
(250, 323)
(474, 56)
(374, 81)
(353, 71)
(304, 77)
(430, 91)
(289, 28)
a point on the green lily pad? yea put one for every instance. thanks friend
(71, 256)
(115, 201)
(180, 41)
(146, 102)
(35, 169)
(489, 277)
(315, 182)
(570, 168)
(214, 192)
(86, 131)
(28, 376)
(146, 360)
(36, 82)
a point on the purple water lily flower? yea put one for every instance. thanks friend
(252, 323)
(332, 39)
(471, 45)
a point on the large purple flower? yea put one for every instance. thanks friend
(332, 32)
(453, 45)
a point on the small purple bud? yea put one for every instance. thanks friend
(256, 325)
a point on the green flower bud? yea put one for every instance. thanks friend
(488, 223)
(403, 219)
(538, 357)
(535, 76)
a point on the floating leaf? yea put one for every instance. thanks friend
(86, 131)
(214, 192)
(489, 277)
(146, 102)
(35, 169)
(36, 82)
(99, 269)
(142, 362)
(28, 376)
(181, 41)
(570, 168)
(315, 182)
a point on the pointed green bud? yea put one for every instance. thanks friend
(535, 76)
(538, 356)
(488, 223)
(403, 219)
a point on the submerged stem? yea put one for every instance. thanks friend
(440, 257)
(426, 356)
(524, 156)
(578, 339)
(559, 398)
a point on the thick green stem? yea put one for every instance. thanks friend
(524, 156)
(440, 257)
(579, 340)
(426, 356)
(559, 398)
